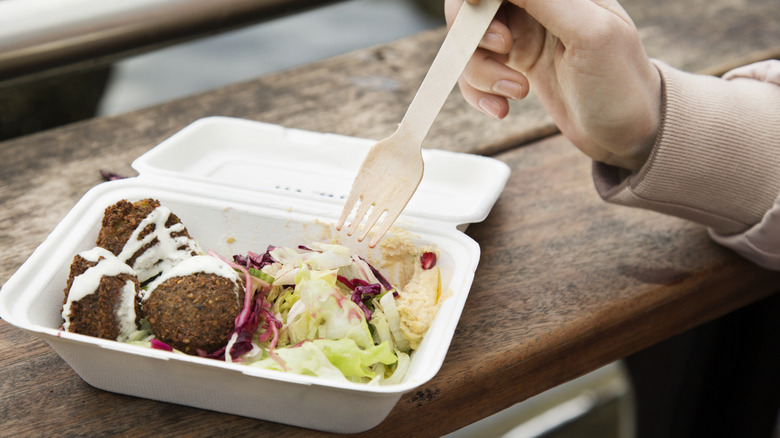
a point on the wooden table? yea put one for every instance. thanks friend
(566, 283)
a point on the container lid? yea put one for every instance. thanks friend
(456, 187)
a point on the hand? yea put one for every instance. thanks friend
(586, 63)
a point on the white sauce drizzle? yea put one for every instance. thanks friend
(164, 257)
(197, 264)
(124, 313)
(88, 282)
(165, 253)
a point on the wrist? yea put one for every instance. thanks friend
(647, 125)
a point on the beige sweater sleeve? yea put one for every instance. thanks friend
(716, 160)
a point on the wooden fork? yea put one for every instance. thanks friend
(393, 168)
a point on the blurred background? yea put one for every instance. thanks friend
(261, 49)
(596, 405)
(29, 105)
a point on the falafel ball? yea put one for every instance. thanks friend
(193, 306)
(101, 297)
(146, 235)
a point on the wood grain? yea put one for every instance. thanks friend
(553, 302)
(549, 303)
(566, 283)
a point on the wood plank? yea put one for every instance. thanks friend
(549, 303)
(567, 284)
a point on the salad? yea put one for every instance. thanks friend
(320, 310)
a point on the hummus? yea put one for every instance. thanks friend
(420, 300)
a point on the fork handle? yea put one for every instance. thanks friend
(461, 41)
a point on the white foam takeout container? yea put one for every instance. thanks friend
(238, 186)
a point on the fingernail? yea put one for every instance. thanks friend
(493, 41)
(510, 89)
(490, 106)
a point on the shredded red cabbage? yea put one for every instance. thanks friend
(362, 291)
(110, 176)
(346, 281)
(160, 345)
(365, 288)
(382, 280)
(248, 320)
(254, 260)
(243, 334)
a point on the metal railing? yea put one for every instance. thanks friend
(41, 38)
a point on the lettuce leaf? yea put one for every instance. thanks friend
(306, 359)
(339, 359)
(329, 314)
(354, 361)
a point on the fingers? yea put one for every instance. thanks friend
(490, 104)
(487, 74)
(498, 38)
(451, 8)
(487, 84)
